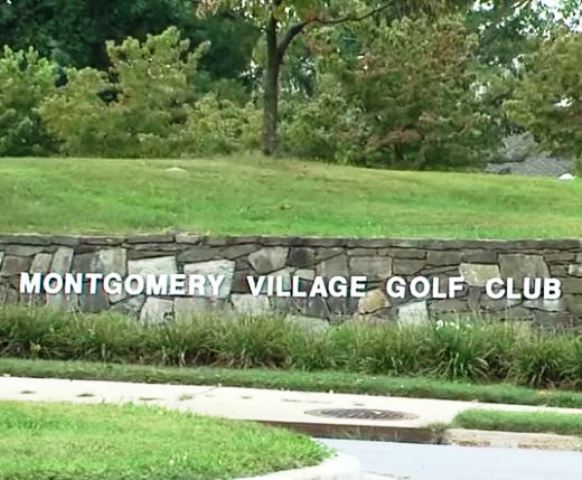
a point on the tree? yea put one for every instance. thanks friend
(282, 21)
(409, 94)
(74, 32)
(26, 81)
(548, 99)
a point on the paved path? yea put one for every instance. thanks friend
(439, 462)
(245, 403)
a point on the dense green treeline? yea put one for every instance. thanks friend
(428, 84)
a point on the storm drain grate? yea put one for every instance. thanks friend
(362, 414)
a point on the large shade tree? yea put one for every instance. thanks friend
(282, 21)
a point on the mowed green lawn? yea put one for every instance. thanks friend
(105, 442)
(255, 195)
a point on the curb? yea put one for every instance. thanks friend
(381, 433)
(339, 467)
(534, 441)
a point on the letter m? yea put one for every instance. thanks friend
(30, 283)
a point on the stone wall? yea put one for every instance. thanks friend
(238, 257)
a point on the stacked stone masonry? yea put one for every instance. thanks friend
(240, 256)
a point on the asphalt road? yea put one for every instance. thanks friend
(439, 462)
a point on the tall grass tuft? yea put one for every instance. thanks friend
(469, 349)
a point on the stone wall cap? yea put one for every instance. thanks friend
(296, 240)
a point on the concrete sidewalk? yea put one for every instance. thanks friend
(283, 408)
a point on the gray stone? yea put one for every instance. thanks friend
(187, 308)
(375, 268)
(156, 311)
(412, 253)
(285, 274)
(308, 323)
(150, 239)
(520, 266)
(443, 258)
(41, 263)
(575, 270)
(546, 305)
(373, 301)
(106, 261)
(240, 283)
(23, 250)
(449, 306)
(187, 239)
(560, 257)
(216, 267)
(13, 265)
(268, 259)
(325, 253)
(571, 285)
(285, 305)
(130, 306)
(305, 274)
(94, 302)
(553, 320)
(336, 266)
(558, 270)
(403, 266)
(200, 253)
(61, 301)
(8, 295)
(25, 239)
(152, 266)
(301, 257)
(490, 305)
(480, 256)
(62, 260)
(314, 307)
(477, 275)
(102, 241)
(342, 306)
(250, 305)
(573, 304)
(1, 258)
(366, 252)
(413, 313)
(235, 251)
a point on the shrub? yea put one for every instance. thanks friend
(410, 94)
(469, 350)
(220, 126)
(145, 106)
(26, 81)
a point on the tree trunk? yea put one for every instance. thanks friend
(271, 91)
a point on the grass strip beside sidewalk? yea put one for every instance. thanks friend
(526, 422)
(41, 441)
(339, 382)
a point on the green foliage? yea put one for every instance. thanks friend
(26, 81)
(413, 95)
(467, 350)
(293, 379)
(144, 106)
(57, 441)
(220, 126)
(547, 100)
(533, 422)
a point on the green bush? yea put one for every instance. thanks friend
(410, 94)
(26, 80)
(217, 126)
(472, 350)
(145, 106)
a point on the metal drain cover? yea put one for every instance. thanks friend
(362, 414)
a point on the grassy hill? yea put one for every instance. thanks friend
(254, 195)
